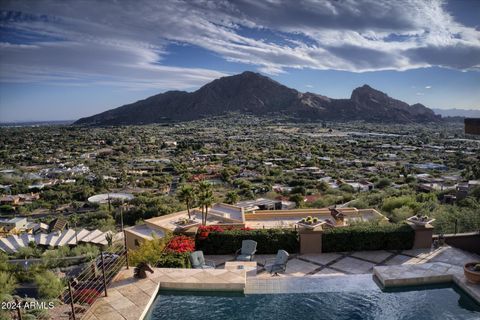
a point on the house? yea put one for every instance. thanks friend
(259, 204)
(226, 215)
(58, 224)
(464, 188)
(10, 200)
(13, 225)
(361, 186)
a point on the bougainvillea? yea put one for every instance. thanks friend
(217, 228)
(85, 295)
(181, 244)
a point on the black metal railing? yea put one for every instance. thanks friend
(92, 283)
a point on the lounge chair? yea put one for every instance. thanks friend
(198, 261)
(279, 264)
(247, 252)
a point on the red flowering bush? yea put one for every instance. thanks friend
(216, 228)
(181, 244)
(211, 228)
(85, 295)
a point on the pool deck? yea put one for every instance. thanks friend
(130, 298)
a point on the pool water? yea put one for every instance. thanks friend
(419, 303)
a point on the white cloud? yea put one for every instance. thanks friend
(108, 64)
(428, 87)
(125, 42)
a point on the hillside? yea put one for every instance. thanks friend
(256, 94)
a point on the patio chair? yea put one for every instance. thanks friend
(247, 252)
(278, 264)
(198, 261)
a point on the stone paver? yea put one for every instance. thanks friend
(453, 256)
(352, 265)
(330, 272)
(296, 267)
(420, 253)
(401, 259)
(373, 256)
(322, 259)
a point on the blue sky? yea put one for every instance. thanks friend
(69, 59)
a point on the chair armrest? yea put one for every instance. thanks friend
(283, 266)
(269, 260)
(238, 252)
(210, 262)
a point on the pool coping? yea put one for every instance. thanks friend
(150, 302)
(130, 298)
(424, 274)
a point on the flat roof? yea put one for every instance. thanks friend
(145, 231)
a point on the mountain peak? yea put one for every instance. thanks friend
(253, 93)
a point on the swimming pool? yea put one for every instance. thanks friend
(359, 301)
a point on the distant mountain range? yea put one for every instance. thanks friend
(253, 93)
(467, 113)
(36, 123)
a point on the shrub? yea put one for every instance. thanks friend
(347, 188)
(49, 285)
(8, 284)
(383, 183)
(268, 241)
(149, 251)
(174, 260)
(391, 203)
(368, 237)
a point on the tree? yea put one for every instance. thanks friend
(205, 197)
(187, 194)
(297, 198)
(232, 197)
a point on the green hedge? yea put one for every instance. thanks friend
(368, 237)
(174, 260)
(268, 241)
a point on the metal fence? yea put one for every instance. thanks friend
(92, 282)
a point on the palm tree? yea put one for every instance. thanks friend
(232, 197)
(205, 198)
(187, 194)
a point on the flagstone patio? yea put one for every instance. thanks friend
(359, 262)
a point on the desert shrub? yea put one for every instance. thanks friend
(149, 251)
(347, 188)
(8, 284)
(49, 285)
(465, 219)
(368, 236)
(401, 214)
(391, 203)
(383, 183)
